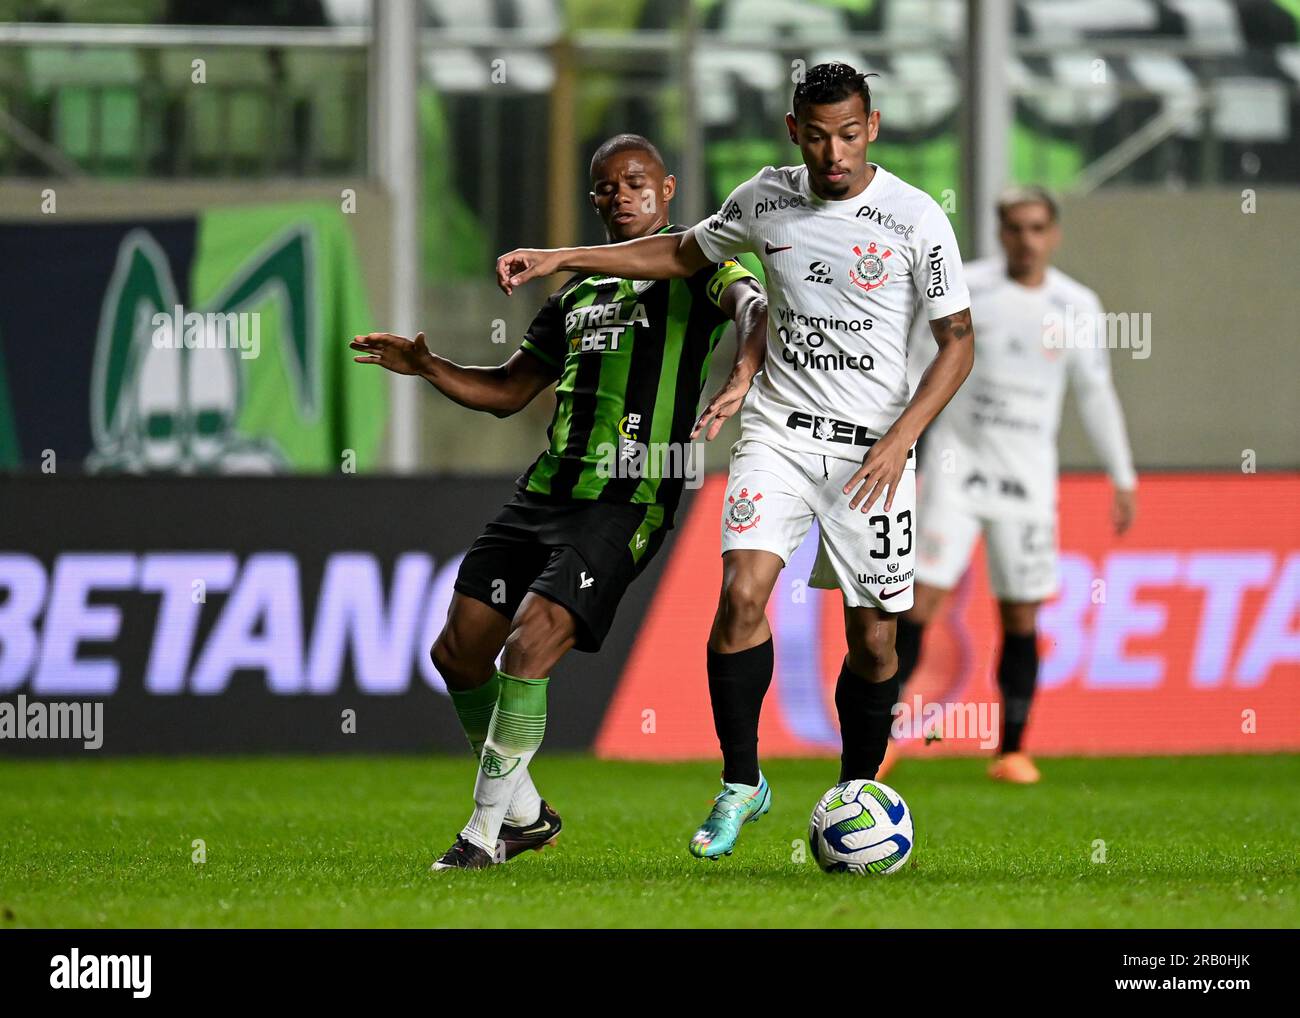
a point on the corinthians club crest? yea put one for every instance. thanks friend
(742, 511)
(868, 271)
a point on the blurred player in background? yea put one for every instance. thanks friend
(630, 359)
(989, 461)
(828, 432)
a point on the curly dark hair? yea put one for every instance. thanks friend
(830, 83)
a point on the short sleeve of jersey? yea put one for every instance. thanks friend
(726, 233)
(940, 281)
(545, 338)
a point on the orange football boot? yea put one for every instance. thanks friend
(1014, 767)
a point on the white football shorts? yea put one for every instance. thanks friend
(774, 494)
(1021, 550)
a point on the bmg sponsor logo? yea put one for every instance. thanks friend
(728, 213)
(938, 282)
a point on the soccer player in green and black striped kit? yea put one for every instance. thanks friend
(629, 359)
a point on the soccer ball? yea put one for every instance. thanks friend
(861, 827)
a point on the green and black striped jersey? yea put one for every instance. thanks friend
(631, 358)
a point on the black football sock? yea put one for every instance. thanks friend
(737, 684)
(907, 642)
(866, 714)
(1017, 676)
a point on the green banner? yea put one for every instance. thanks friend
(208, 344)
(296, 266)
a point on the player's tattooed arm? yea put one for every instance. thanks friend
(661, 256)
(956, 338)
(957, 326)
(501, 390)
(884, 464)
(745, 303)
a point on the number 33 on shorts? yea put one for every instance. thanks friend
(870, 556)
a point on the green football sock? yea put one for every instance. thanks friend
(474, 707)
(514, 735)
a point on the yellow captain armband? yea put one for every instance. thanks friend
(727, 273)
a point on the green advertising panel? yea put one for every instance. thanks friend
(208, 344)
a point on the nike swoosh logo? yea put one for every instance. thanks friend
(769, 249)
(885, 595)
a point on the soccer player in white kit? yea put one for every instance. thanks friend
(851, 254)
(989, 460)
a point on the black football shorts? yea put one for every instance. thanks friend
(580, 554)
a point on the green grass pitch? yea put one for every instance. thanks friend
(1190, 841)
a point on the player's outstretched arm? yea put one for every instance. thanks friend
(883, 466)
(501, 391)
(745, 303)
(662, 256)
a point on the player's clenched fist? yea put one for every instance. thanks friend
(519, 266)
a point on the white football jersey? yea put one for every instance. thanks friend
(844, 280)
(992, 450)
